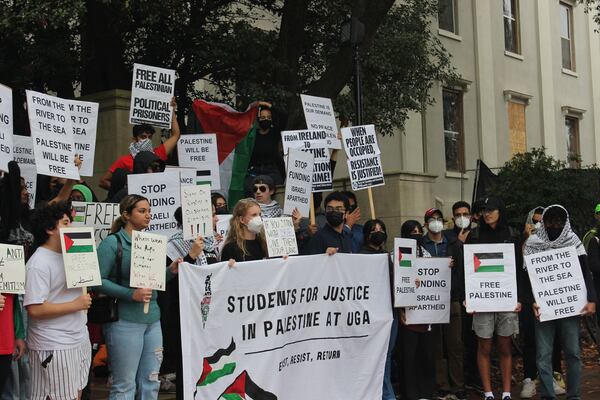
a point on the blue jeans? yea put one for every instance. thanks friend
(544, 337)
(135, 354)
(388, 389)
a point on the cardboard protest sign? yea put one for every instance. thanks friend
(405, 272)
(557, 283)
(80, 258)
(189, 176)
(23, 155)
(360, 141)
(490, 277)
(280, 236)
(84, 118)
(100, 216)
(6, 127)
(305, 328)
(148, 255)
(196, 211)
(162, 191)
(298, 183)
(200, 152)
(52, 133)
(433, 293)
(364, 157)
(223, 224)
(319, 115)
(151, 91)
(322, 179)
(304, 139)
(12, 269)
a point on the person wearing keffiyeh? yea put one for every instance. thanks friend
(555, 233)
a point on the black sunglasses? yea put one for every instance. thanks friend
(262, 188)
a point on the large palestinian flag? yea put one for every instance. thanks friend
(235, 141)
(488, 262)
(217, 366)
(404, 254)
(79, 242)
(243, 388)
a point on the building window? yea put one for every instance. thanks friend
(517, 133)
(572, 136)
(447, 16)
(566, 37)
(512, 33)
(453, 130)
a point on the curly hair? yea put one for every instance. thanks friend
(46, 219)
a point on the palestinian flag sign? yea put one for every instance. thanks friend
(78, 242)
(243, 388)
(488, 262)
(404, 256)
(235, 142)
(217, 366)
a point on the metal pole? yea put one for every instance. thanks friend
(357, 87)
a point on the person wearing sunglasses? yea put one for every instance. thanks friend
(264, 188)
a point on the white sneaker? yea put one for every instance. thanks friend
(558, 389)
(528, 390)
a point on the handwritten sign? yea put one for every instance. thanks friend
(100, 216)
(6, 127)
(319, 115)
(80, 258)
(364, 157)
(148, 255)
(557, 283)
(151, 91)
(298, 184)
(84, 119)
(281, 237)
(12, 269)
(23, 155)
(196, 211)
(200, 152)
(433, 293)
(405, 272)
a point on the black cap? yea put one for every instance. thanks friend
(492, 203)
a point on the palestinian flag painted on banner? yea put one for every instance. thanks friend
(217, 366)
(488, 262)
(235, 142)
(403, 256)
(243, 388)
(79, 242)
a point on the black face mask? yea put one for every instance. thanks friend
(416, 236)
(334, 218)
(378, 238)
(265, 124)
(221, 210)
(554, 233)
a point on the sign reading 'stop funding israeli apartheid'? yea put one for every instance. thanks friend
(151, 91)
(298, 184)
(319, 115)
(433, 293)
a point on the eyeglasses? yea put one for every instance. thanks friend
(338, 209)
(261, 188)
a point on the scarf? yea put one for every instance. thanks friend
(141, 145)
(271, 210)
(178, 247)
(529, 219)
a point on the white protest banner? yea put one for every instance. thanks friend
(319, 115)
(223, 224)
(405, 272)
(196, 211)
(280, 236)
(100, 216)
(52, 133)
(6, 127)
(490, 277)
(23, 155)
(298, 184)
(80, 257)
(557, 283)
(200, 152)
(148, 255)
(12, 269)
(162, 191)
(269, 327)
(433, 293)
(84, 118)
(151, 91)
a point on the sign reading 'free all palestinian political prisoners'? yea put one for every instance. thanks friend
(263, 329)
(490, 277)
(151, 91)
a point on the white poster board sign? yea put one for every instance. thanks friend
(80, 257)
(52, 133)
(322, 179)
(162, 191)
(196, 211)
(490, 277)
(364, 157)
(280, 236)
(433, 293)
(405, 272)
(223, 224)
(557, 283)
(6, 127)
(319, 115)
(298, 183)
(23, 155)
(12, 269)
(151, 91)
(100, 216)
(200, 152)
(84, 118)
(148, 257)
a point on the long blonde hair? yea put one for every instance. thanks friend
(236, 229)
(126, 206)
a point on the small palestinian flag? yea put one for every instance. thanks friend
(243, 388)
(79, 242)
(488, 262)
(79, 212)
(203, 177)
(217, 366)
(403, 256)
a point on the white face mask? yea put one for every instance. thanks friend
(435, 226)
(255, 224)
(462, 222)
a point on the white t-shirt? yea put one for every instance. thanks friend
(46, 281)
